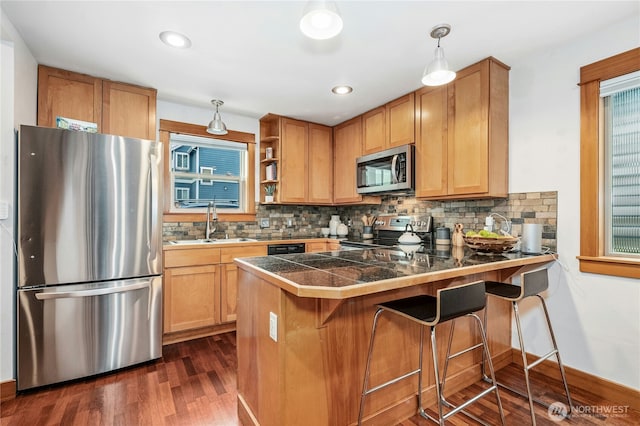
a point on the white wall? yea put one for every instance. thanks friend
(596, 317)
(18, 88)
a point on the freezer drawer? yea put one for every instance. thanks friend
(72, 331)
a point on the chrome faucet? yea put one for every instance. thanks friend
(211, 229)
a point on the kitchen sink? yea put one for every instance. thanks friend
(212, 241)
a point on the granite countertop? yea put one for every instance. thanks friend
(344, 273)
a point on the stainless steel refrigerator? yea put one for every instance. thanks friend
(89, 291)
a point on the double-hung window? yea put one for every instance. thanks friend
(610, 166)
(208, 170)
(621, 123)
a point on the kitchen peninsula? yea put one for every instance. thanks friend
(304, 325)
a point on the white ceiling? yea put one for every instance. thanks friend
(253, 56)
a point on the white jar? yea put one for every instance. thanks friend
(333, 224)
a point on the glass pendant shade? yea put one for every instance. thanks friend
(321, 20)
(217, 126)
(437, 72)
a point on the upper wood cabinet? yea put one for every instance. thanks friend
(128, 110)
(117, 108)
(347, 148)
(320, 164)
(389, 125)
(302, 153)
(374, 134)
(68, 94)
(294, 144)
(462, 135)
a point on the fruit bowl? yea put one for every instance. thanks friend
(490, 244)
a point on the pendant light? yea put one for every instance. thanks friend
(216, 126)
(321, 20)
(437, 72)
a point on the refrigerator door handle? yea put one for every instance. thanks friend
(155, 204)
(89, 293)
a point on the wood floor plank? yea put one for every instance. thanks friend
(195, 384)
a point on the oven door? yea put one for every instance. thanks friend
(386, 171)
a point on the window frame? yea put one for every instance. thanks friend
(167, 127)
(592, 258)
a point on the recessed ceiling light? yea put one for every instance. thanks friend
(174, 39)
(342, 90)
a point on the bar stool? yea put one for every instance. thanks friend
(531, 284)
(429, 311)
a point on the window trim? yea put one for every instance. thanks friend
(592, 258)
(166, 128)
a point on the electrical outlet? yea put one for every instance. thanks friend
(273, 326)
(264, 222)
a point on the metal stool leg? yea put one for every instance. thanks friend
(557, 352)
(485, 353)
(440, 384)
(420, 410)
(367, 368)
(365, 390)
(524, 361)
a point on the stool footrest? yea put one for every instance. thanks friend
(464, 351)
(468, 402)
(542, 358)
(390, 382)
(524, 395)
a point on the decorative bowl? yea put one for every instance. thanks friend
(491, 244)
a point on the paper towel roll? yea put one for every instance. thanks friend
(531, 238)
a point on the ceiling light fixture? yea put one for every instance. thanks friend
(437, 72)
(342, 90)
(321, 20)
(174, 39)
(216, 126)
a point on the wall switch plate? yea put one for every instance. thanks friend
(4, 210)
(273, 326)
(264, 222)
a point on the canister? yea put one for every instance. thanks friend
(443, 236)
(531, 238)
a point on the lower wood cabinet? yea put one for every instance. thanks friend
(228, 292)
(191, 297)
(201, 290)
(316, 247)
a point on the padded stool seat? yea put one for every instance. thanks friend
(531, 284)
(429, 311)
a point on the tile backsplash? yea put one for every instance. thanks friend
(306, 221)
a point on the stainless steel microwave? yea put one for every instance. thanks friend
(386, 171)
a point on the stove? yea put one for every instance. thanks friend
(388, 228)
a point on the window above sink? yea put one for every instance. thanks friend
(201, 167)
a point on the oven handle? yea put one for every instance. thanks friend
(94, 292)
(394, 168)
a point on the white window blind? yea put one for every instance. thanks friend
(621, 97)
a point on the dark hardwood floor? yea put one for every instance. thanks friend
(195, 384)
